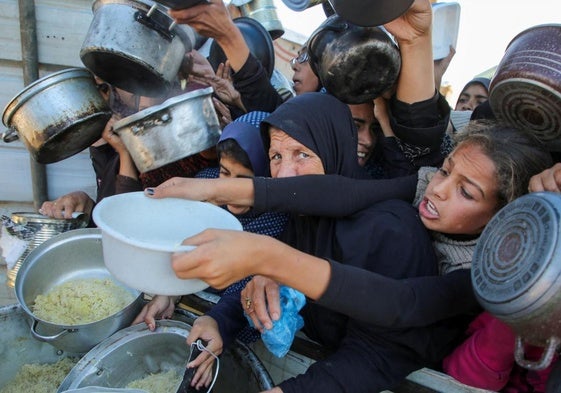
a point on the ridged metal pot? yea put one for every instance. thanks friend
(75, 254)
(57, 116)
(516, 272)
(526, 88)
(43, 228)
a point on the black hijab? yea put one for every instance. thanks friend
(323, 124)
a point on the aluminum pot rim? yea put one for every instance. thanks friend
(165, 105)
(39, 86)
(146, 5)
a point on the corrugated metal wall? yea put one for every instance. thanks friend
(61, 28)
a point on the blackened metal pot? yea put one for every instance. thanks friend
(57, 116)
(356, 64)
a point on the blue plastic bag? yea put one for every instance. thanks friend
(279, 338)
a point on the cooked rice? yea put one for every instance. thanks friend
(81, 301)
(164, 382)
(39, 378)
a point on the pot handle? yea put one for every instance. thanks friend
(10, 135)
(547, 356)
(152, 122)
(48, 338)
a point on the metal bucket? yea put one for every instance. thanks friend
(516, 272)
(44, 228)
(135, 352)
(526, 88)
(71, 255)
(179, 127)
(265, 12)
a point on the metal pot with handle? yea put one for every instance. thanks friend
(356, 64)
(76, 254)
(526, 88)
(57, 116)
(179, 127)
(136, 46)
(516, 272)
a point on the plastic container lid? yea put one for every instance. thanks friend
(445, 28)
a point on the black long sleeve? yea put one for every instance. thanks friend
(411, 302)
(339, 196)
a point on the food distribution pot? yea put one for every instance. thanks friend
(136, 46)
(58, 115)
(76, 254)
(526, 88)
(136, 352)
(180, 127)
(516, 272)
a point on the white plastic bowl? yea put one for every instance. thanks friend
(139, 234)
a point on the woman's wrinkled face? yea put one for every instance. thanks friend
(288, 157)
(230, 168)
(462, 196)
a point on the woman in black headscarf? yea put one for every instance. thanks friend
(314, 134)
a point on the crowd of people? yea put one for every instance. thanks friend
(371, 210)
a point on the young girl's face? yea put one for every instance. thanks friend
(461, 197)
(232, 168)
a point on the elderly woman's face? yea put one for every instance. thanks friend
(461, 197)
(291, 158)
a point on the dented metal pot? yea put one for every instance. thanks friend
(136, 46)
(57, 116)
(179, 127)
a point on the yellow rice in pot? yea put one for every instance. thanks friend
(81, 301)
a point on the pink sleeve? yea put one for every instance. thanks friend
(486, 358)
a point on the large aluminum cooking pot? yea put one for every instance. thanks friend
(72, 255)
(516, 272)
(135, 45)
(526, 88)
(57, 116)
(179, 127)
(135, 352)
(356, 64)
